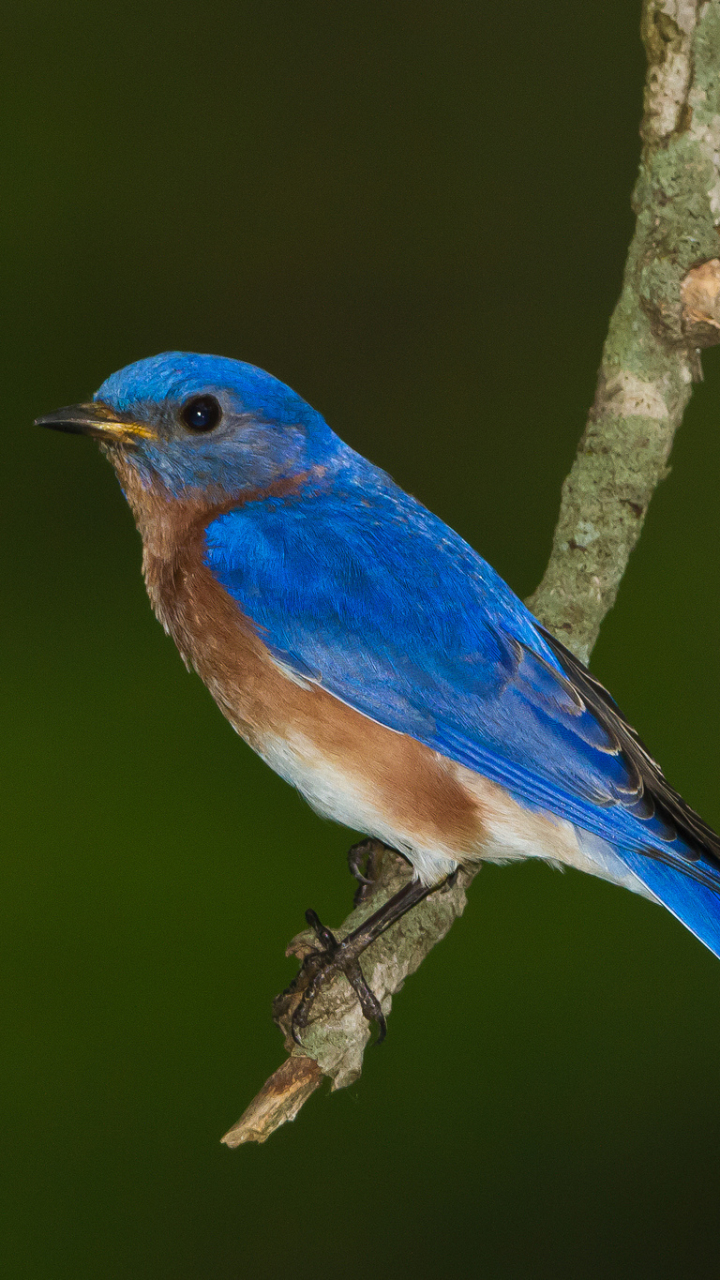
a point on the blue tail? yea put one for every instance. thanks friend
(692, 896)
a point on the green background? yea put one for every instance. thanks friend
(417, 215)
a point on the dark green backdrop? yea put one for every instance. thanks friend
(417, 215)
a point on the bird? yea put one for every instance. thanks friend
(373, 659)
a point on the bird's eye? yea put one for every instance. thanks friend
(202, 413)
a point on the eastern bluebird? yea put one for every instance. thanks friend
(372, 658)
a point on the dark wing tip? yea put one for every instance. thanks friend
(669, 804)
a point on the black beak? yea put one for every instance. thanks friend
(96, 420)
(79, 419)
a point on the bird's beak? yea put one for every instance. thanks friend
(99, 420)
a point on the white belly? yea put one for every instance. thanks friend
(513, 832)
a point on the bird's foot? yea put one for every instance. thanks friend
(363, 860)
(332, 957)
(323, 963)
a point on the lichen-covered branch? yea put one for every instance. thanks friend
(336, 1038)
(669, 308)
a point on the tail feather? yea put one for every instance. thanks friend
(694, 901)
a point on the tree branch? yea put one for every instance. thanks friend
(669, 308)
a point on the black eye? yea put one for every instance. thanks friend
(202, 413)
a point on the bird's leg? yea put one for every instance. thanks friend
(343, 957)
(362, 860)
(329, 963)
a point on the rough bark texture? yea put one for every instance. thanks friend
(650, 356)
(669, 308)
(338, 1034)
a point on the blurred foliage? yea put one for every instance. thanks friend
(417, 215)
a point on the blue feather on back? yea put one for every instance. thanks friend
(360, 588)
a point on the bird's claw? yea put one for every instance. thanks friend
(320, 967)
(331, 957)
(362, 864)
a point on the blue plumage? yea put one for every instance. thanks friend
(149, 387)
(267, 432)
(360, 588)
(354, 586)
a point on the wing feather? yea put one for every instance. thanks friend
(363, 591)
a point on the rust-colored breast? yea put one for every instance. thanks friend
(323, 742)
(415, 790)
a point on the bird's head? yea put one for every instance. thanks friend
(185, 423)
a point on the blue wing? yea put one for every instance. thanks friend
(364, 591)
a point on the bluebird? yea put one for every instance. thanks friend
(373, 659)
